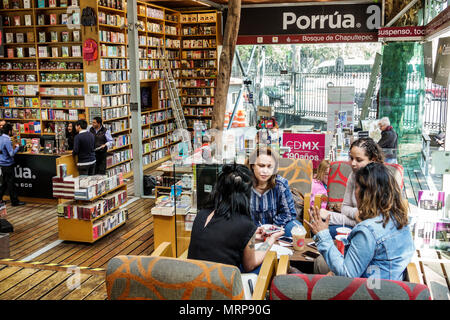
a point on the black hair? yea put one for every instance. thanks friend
(371, 149)
(231, 193)
(7, 128)
(82, 123)
(99, 120)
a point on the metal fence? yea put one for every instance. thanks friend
(305, 95)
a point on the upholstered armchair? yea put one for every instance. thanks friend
(162, 277)
(321, 287)
(299, 173)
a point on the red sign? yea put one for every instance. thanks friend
(405, 33)
(310, 146)
(308, 38)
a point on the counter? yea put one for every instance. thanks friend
(34, 173)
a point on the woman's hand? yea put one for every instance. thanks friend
(316, 223)
(260, 234)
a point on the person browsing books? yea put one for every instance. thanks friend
(223, 231)
(103, 141)
(7, 162)
(271, 199)
(83, 147)
(380, 245)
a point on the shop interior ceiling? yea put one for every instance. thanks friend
(192, 4)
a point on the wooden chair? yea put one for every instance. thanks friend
(321, 287)
(163, 277)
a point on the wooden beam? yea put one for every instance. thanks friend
(226, 62)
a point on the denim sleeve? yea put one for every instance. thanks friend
(358, 254)
(10, 149)
(109, 139)
(286, 207)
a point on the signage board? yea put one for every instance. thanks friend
(309, 24)
(409, 33)
(428, 58)
(264, 111)
(309, 146)
(340, 107)
(442, 64)
(34, 175)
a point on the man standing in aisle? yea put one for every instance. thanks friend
(388, 141)
(103, 141)
(7, 165)
(83, 146)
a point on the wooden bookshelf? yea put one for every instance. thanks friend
(80, 230)
(200, 32)
(56, 60)
(113, 76)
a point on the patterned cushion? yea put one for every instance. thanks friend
(298, 172)
(337, 180)
(322, 287)
(397, 170)
(162, 278)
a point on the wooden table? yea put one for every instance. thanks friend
(302, 262)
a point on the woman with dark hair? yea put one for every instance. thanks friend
(271, 197)
(380, 245)
(70, 135)
(224, 232)
(362, 152)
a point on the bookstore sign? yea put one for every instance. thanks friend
(34, 175)
(310, 24)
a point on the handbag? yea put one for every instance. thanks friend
(149, 183)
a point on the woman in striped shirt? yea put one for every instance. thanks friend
(271, 199)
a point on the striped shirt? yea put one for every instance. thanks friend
(275, 206)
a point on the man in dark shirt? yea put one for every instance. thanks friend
(103, 141)
(7, 165)
(388, 141)
(83, 146)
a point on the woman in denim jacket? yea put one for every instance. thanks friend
(380, 245)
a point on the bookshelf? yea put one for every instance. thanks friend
(201, 36)
(41, 73)
(113, 76)
(90, 215)
(45, 82)
(160, 27)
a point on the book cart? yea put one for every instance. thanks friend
(94, 207)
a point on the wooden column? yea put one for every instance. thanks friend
(226, 62)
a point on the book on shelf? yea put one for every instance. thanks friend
(28, 20)
(16, 21)
(65, 36)
(53, 19)
(9, 37)
(41, 4)
(20, 37)
(42, 36)
(52, 3)
(432, 202)
(27, 4)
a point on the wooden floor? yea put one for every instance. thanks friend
(56, 273)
